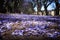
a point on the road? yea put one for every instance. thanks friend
(40, 23)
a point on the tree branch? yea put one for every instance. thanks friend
(50, 3)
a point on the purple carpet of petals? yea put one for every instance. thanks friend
(27, 25)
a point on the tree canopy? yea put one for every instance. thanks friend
(27, 6)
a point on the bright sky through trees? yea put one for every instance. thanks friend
(50, 7)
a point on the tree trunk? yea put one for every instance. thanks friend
(39, 5)
(37, 8)
(45, 9)
(57, 7)
(2, 9)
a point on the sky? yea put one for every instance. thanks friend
(50, 7)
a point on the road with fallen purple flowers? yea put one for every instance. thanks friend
(26, 25)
